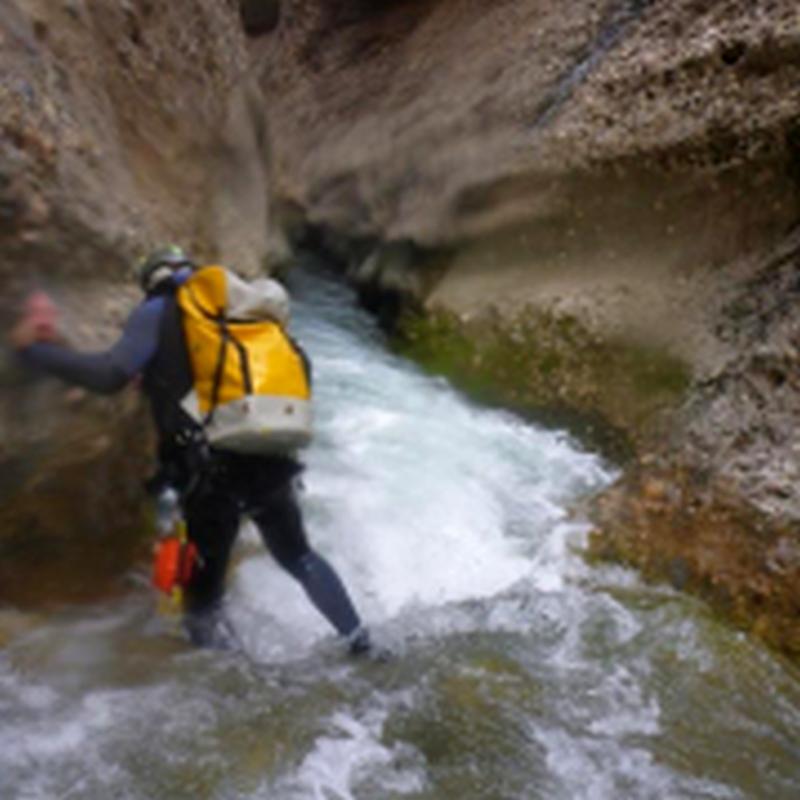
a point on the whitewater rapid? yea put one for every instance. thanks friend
(521, 671)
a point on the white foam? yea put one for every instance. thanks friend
(348, 754)
(417, 498)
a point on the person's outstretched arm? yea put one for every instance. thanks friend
(110, 370)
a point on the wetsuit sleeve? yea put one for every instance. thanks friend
(110, 370)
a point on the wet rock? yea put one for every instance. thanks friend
(784, 556)
(14, 623)
(654, 491)
(122, 125)
(679, 573)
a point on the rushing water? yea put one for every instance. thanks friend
(521, 672)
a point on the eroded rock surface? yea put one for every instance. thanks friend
(122, 126)
(621, 164)
(626, 172)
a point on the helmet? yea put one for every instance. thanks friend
(161, 264)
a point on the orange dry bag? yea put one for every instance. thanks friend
(173, 564)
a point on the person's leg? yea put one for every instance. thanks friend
(279, 521)
(212, 520)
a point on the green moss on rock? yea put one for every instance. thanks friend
(540, 363)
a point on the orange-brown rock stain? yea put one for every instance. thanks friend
(672, 527)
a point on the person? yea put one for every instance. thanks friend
(215, 487)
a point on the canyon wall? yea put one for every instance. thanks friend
(596, 206)
(123, 126)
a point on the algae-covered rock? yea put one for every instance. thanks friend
(479, 703)
(613, 393)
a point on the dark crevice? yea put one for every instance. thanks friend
(343, 13)
(388, 277)
(732, 52)
(259, 16)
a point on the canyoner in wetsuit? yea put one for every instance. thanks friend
(216, 487)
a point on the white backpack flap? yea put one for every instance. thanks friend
(259, 424)
(262, 298)
(262, 425)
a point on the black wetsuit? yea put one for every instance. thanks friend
(216, 487)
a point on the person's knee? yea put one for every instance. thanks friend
(300, 565)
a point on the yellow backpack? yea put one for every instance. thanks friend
(251, 390)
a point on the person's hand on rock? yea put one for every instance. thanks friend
(38, 323)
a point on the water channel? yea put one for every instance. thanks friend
(521, 672)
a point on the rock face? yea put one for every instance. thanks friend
(126, 125)
(573, 161)
(618, 184)
(122, 126)
(440, 121)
